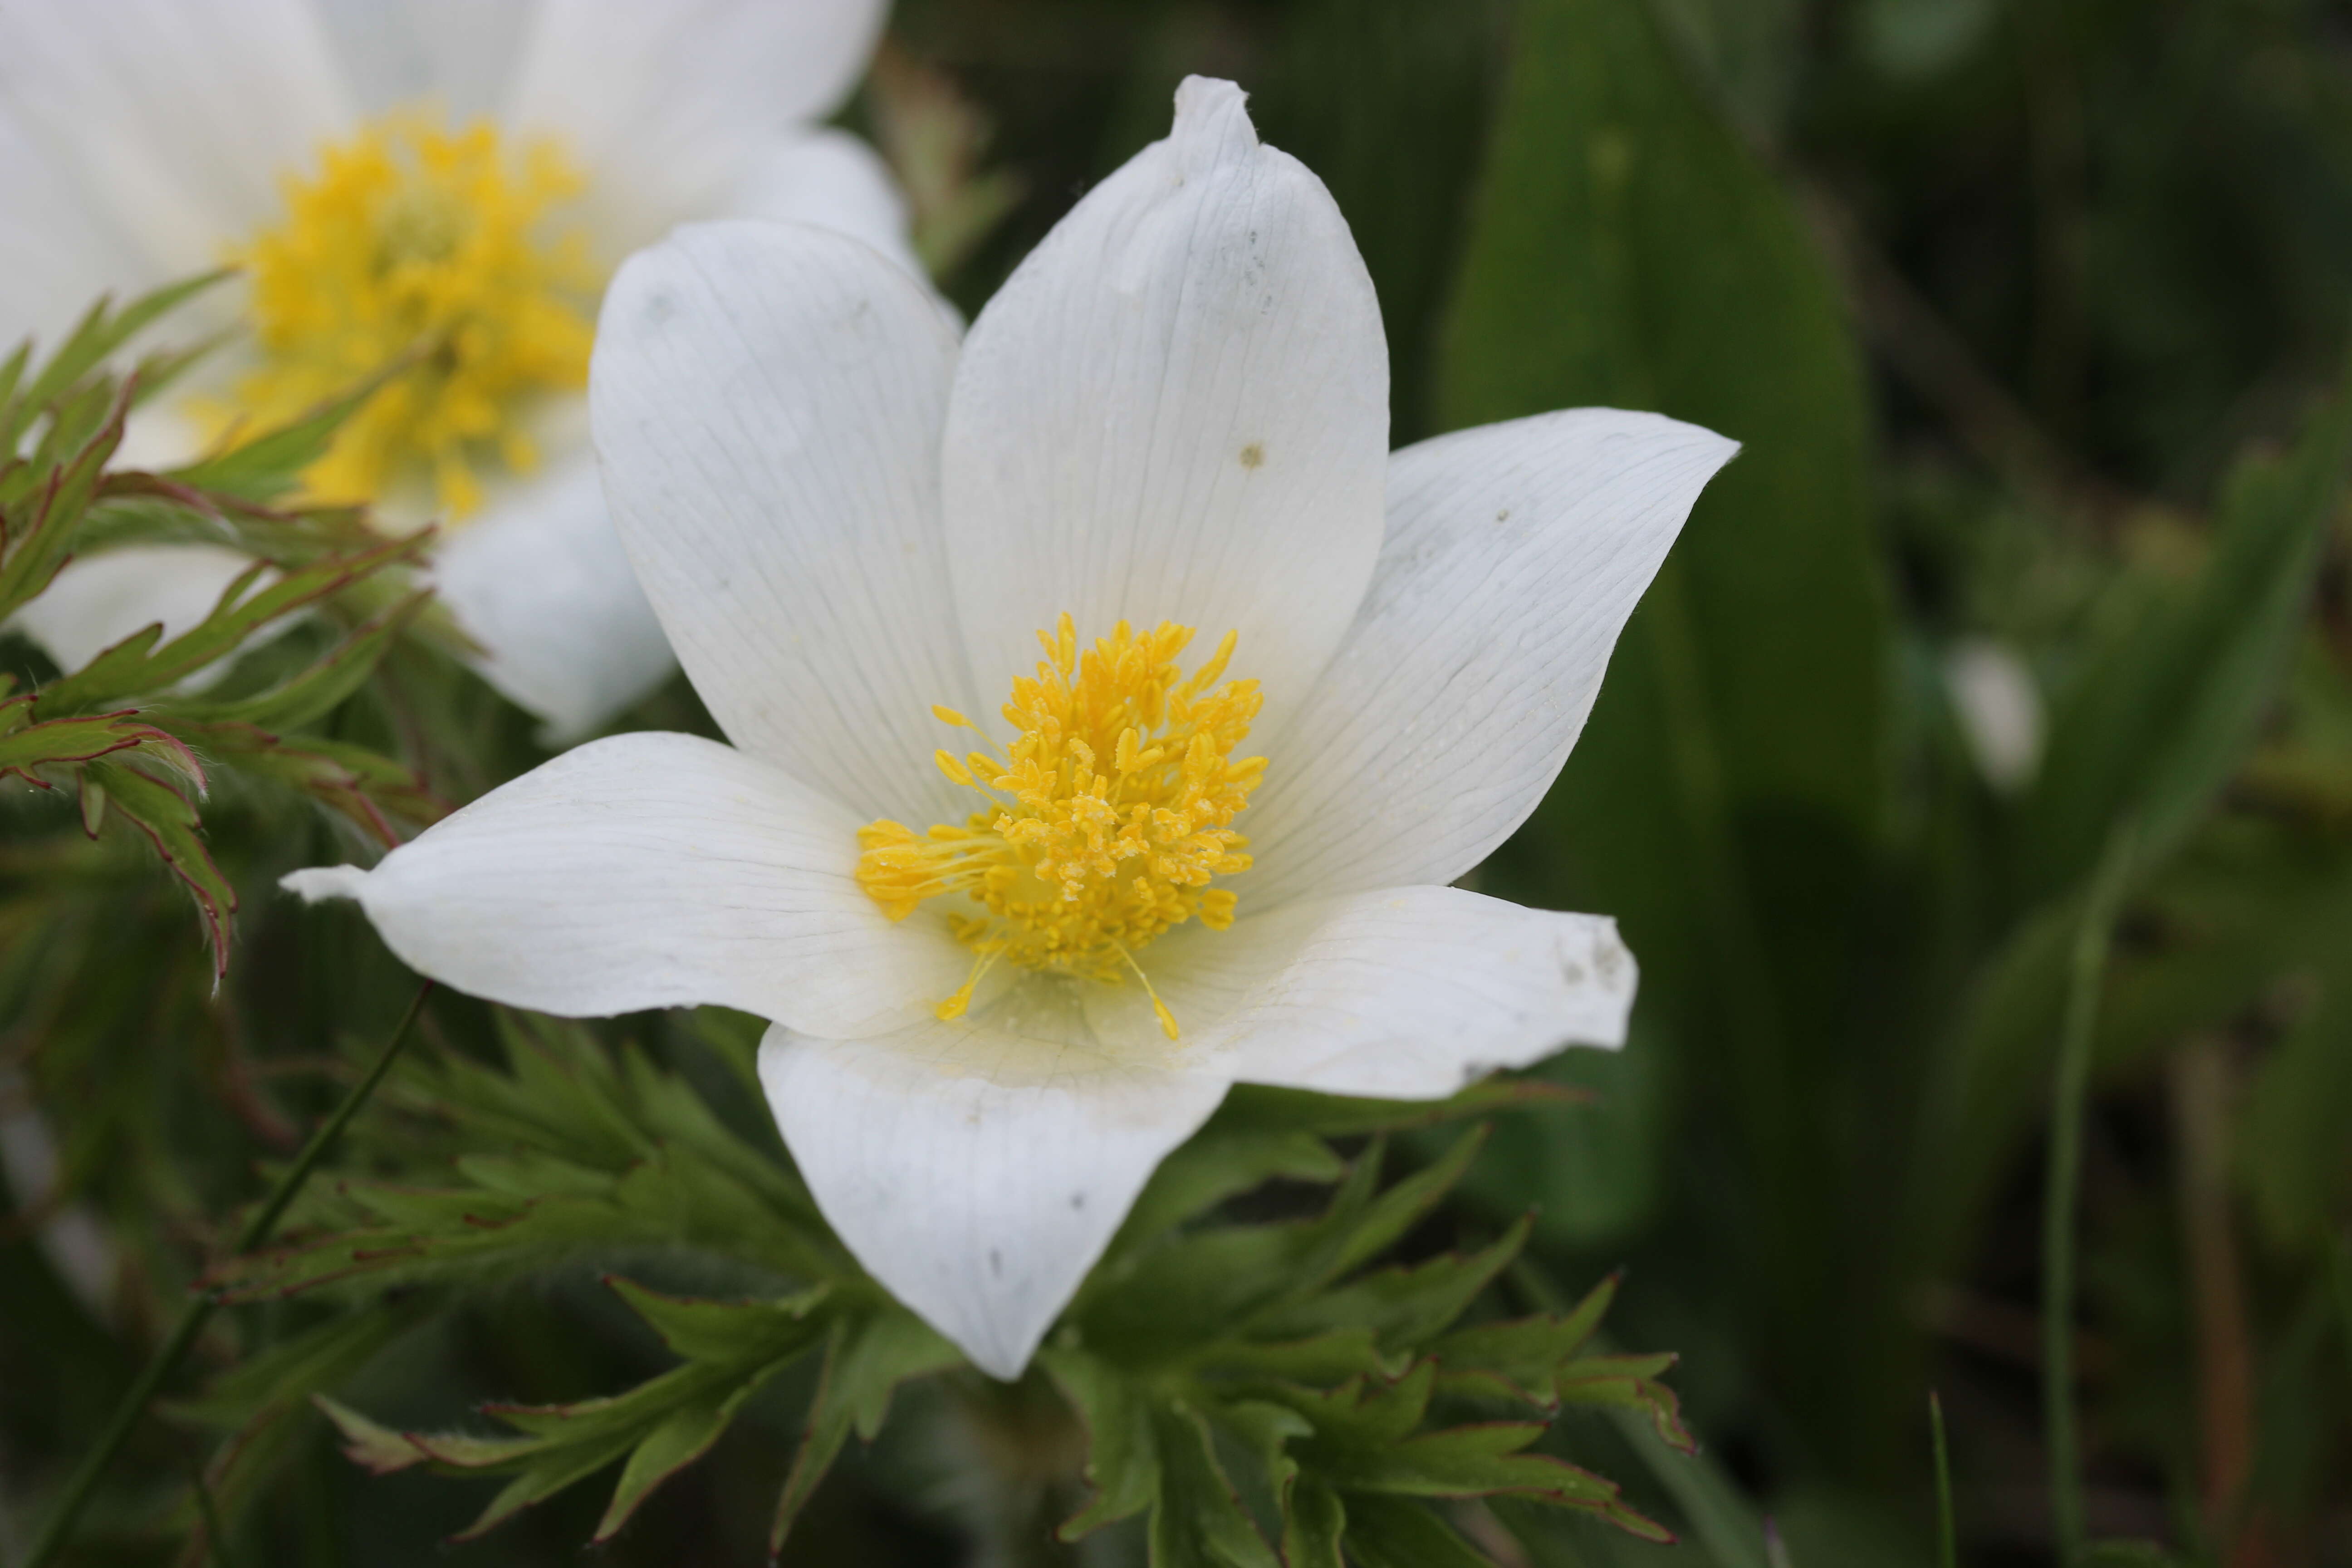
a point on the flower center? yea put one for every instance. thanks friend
(1107, 817)
(415, 242)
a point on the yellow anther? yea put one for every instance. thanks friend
(946, 715)
(953, 1007)
(410, 242)
(1071, 868)
(1207, 674)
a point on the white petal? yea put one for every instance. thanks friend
(833, 180)
(1999, 708)
(1176, 408)
(767, 402)
(72, 1234)
(176, 117)
(57, 250)
(1402, 993)
(541, 581)
(159, 434)
(460, 56)
(664, 104)
(653, 870)
(97, 600)
(978, 1168)
(1515, 554)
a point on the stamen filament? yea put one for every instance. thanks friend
(1160, 1008)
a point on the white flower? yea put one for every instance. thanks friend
(2000, 710)
(462, 170)
(1175, 412)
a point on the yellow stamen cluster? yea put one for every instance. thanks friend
(1108, 817)
(416, 242)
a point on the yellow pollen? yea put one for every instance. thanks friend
(1107, 817)
(414, 242)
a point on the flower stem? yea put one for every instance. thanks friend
(199, 1311)
(1948, 1530)
(2093, 939)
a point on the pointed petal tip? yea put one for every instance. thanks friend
(1212, 122)
(976, 1174)
(314, 884)
(1003, 1362)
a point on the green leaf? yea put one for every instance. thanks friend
(866, 1361)
(34, 544)
(1469, 1461)
(1204, 1289)
(1266, 1429)
(624, 1155)
(2173, 713)
(1312, 1525)
(317, 690)
(1405, 1308)
(1367, 1440)
(1365, 1415)
(1220, 1162)
(728, 1331)
(1197, 1522)
(270, 465)
(2167, 714)
(101, 331)
(681, 1438)
(1524, 1358)
(144, 663)
(284, 1376)
(65, 743)
(167, 820)
(1122, 1440)
(892, 1347)
(662, 1425)
(1333, 1356)
(365, 787)
(1729, 795)
(1387, 101)
(1250, 1106)
(1630, 1383)
(1626, 250)
(265, 1401)
(1402, 1207)
(558, 1468)
(1387, 1533)
(2290, 1135)
(379, 1449)
(1172, 1302)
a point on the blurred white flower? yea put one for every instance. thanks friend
(462, 174)
(2000, 710)
(69, 1233)
(1007, 979)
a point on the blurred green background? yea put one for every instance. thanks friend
(2031, 315)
